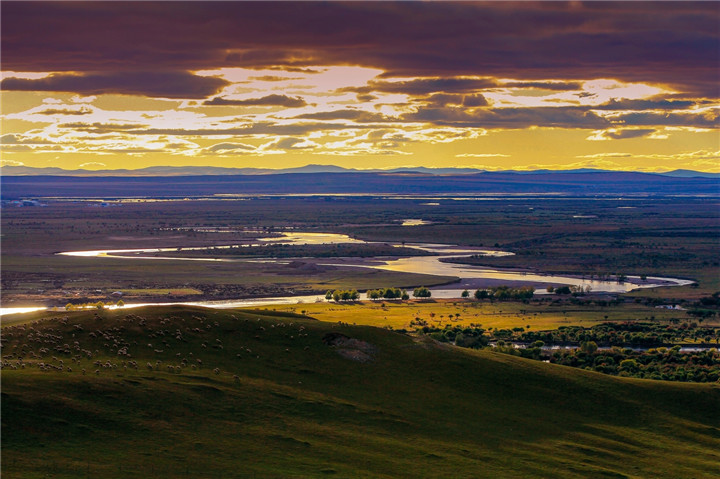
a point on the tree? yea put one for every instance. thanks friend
(329, 295)
(481, 294)
(629, 365)
(465, 294)
(422, 292)
(120, 303)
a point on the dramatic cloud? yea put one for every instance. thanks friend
(163, 84)
(269, 100)
(667, 43)
(211, 81)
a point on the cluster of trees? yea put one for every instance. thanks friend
(713, 300)
(625, 334)
(661, 363)
(575, 290)
(388, 293)
(381, 293)
(668, 364)
(505, 292)
(422, 292)
(343, 295)
(465, 337)
(706, 307)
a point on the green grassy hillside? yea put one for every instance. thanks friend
(265, 394)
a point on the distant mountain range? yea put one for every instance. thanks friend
(402, 181)
(160, 171)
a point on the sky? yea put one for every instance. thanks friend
(495, 86)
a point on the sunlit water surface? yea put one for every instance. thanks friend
(417, 264)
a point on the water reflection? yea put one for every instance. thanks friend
(471, 277)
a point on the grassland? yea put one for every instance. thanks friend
(654, 236)
(279, 395)
(534, 315)
(57, 280)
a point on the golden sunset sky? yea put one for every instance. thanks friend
(109, 85)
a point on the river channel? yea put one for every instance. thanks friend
(470, 276)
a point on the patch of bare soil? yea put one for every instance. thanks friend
(351, 348)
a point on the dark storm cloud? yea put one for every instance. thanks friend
(673, 43)
(269, 100)
(165, 84)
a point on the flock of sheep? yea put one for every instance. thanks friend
(164, 344)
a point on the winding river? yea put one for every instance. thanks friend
(469, 275)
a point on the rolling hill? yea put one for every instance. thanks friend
(176, 391)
